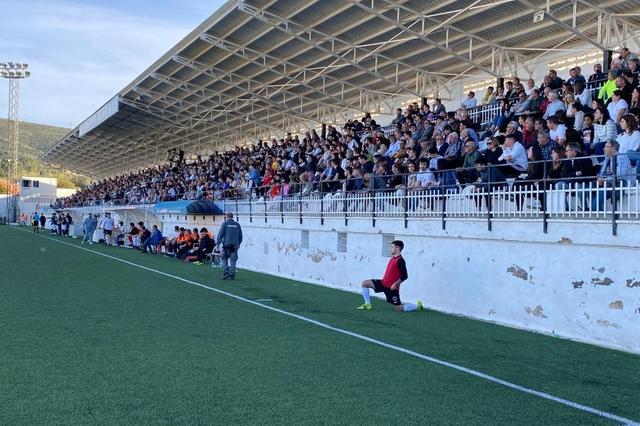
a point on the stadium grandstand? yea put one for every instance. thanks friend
(495, 144)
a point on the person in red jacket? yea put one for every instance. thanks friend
(394, 275)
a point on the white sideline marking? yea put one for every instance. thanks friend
(433, 360)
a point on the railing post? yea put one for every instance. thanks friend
(373, 207)
(488, 200)
(545, 217)
(321, 207)
(614, 196)
(300, 207)
(282, 209)
(237, 209)
(344, 208)
(250, 210)
(444, 207)
(265, 210)
(405, 203)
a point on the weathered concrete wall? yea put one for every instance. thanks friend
(577, 281)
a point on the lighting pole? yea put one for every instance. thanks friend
(14, 72)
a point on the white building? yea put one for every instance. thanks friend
(36, 194)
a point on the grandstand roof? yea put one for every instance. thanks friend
(264, 66)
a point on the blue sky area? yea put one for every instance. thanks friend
(81, 53)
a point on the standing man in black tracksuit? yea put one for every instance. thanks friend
(229, 239)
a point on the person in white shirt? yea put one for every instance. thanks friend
(425, 176)
(514, 156)
(557, 131)
(107, 228)
(629, 139)
(554, 106)
(617, 107)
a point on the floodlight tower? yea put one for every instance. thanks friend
(14, 72)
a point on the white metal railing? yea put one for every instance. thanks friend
(513, 200)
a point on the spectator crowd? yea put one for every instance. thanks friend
(581, 129)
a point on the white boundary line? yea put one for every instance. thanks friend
(428, 358)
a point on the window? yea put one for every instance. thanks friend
(36, 184)
(342, 242)
(26, 183)
(304, 239)
(386, 242)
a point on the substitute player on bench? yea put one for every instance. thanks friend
(394, 275)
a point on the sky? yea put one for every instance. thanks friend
(82, 53)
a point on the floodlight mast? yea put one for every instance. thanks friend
(14, 72)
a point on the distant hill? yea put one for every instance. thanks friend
(34, 141)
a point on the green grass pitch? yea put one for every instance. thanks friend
(88, 340)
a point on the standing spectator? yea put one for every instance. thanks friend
(625, 57)
(556, 82)
(35, 222)
(597, 75)
(229, 238)
(89, 227)
(107, 228)
(43, 221)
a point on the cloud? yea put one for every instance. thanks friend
(81, 54)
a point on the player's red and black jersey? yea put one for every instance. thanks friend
(396, 270)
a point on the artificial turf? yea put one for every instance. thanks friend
(90, 340)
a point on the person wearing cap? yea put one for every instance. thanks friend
(229, 240)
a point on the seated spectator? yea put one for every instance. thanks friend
(557, 132)
(467, 173)
(574, 77)
(513, 159)
(152, 242)
(604, 129)
(535, 102)
(205, 246)
(555, 105)
(560, 172)
(607, 89)
(521, 106)
(618, 107)
(493, 151)
(582, 94)
(470, 102)
(489, 97)
(614, 165)
(583, 166)
(629, 139)
(491, 178)
(531, 86)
